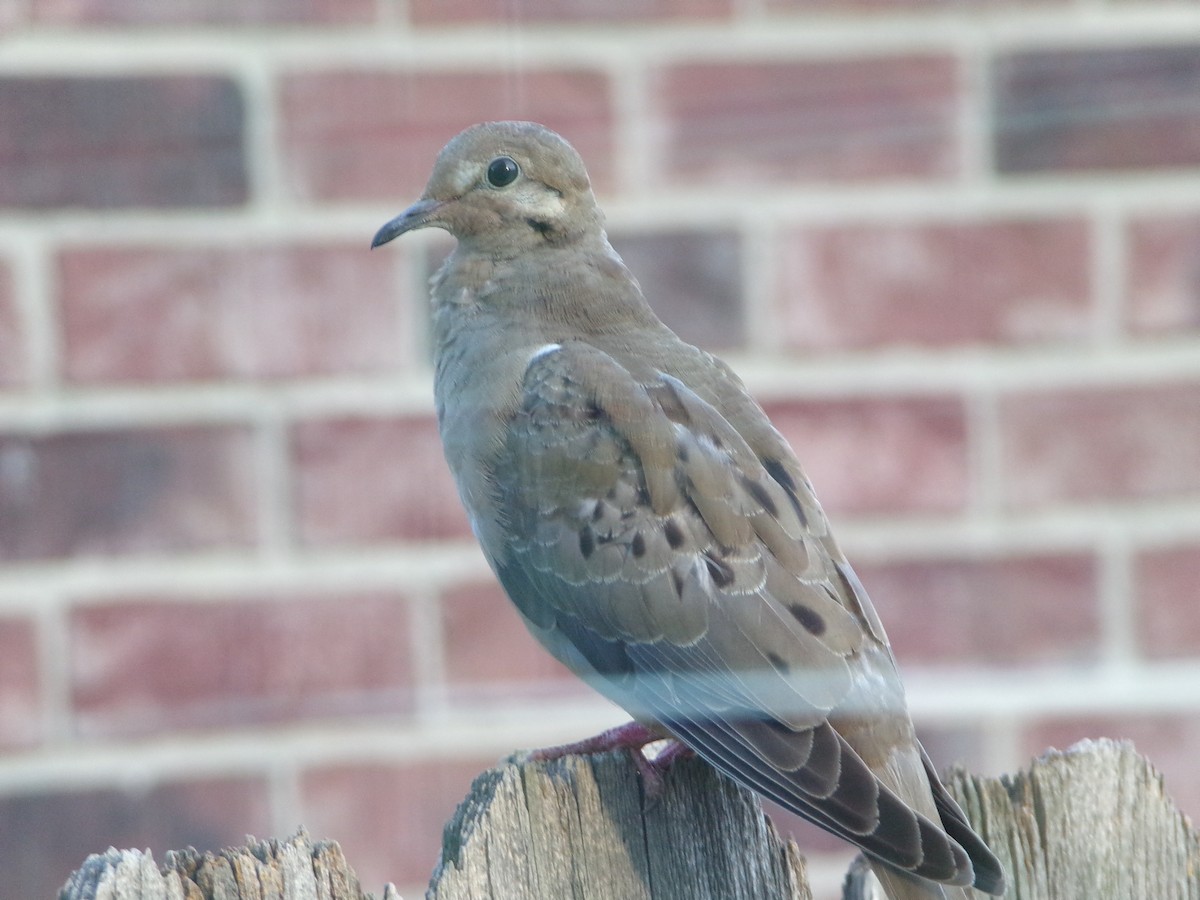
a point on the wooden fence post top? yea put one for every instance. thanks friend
(1091, 822)
(581, 827)
(291, 869)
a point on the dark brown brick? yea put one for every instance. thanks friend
(372, 480)
(693, 281)
(1097, 109)
(58, 829)
(224, 312)
(582, 12)
(871, 118)
(1163, 290)
(1165, 587)
(370, 135)
(122, 492)
(867, 456)
(985, 611)
(942, 284)
(1103, 443)
(158, 141)
(388, 819)
(12, 337)
(204, 12)
(20, 684)
(155, 664)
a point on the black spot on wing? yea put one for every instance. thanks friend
(587, 542)
(718, 570)
(638, 545)
(674, 534)
(808, 617)
(759, 493)
(776, 470)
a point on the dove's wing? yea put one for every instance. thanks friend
(691, 580)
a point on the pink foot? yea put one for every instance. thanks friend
(632, 736)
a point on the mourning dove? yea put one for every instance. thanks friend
(655, 532)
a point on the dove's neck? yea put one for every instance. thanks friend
(574, 290)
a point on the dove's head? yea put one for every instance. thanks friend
(502, 188)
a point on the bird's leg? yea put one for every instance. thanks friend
(632, 736)
(673, 751)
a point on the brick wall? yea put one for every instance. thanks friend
(955, 248)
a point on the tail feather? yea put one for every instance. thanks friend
(910, 773)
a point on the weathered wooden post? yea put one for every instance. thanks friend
(1091, 822)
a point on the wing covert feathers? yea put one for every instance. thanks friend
(690, 577)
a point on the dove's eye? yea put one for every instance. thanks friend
(502, 171)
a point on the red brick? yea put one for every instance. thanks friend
(981, 612)
(1165, 591)
(1097, 109)
(892, 117)
(370, 135)
(371, 480)
(158, 141)
(388, 819)
(60, 828)
(488, 647)
(12, 340)
(444, 12)
(1010, 282)
(203, 12)
(1119, 443)
(20, 684)
(1168, 741)
(224, 312)
(693, 280)
(126, 492)
(1164, 275)
(870, 456)
(155, 664)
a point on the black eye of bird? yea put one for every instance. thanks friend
(502, 171)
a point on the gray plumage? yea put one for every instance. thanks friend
(654, 530)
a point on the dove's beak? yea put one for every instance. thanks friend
(416, 216)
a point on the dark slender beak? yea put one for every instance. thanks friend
(416, 216)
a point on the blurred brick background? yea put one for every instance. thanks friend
(953, 246)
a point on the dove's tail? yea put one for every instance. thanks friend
(869, 880)
(912, 775)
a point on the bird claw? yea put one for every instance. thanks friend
(632, 736)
